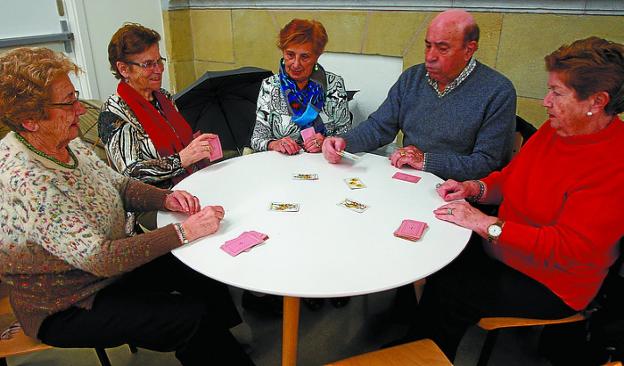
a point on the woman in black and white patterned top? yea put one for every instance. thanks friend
(301, 95)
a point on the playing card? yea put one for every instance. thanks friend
(406, 177)
(348, 155)
(307, 133)
(243, 242)
(411, 229)
(305, 176)
(353, 205)
(215, 149)
(355, 183)
(284, 207)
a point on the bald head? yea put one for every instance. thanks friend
(456, 20)
(450, 42)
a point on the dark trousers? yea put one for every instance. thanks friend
(163, 306)
(474, 286)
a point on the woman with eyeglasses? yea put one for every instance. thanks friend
(144, 135)
(75, 278)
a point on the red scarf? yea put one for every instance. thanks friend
(169, 134)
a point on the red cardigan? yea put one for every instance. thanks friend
(563, 206)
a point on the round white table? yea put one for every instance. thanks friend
(323, 250)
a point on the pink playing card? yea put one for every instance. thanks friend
(243, 242)
(410, 229)
(307, 133)
(406, 177)
(215, 145)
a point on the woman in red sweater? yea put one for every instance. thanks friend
(559, 222)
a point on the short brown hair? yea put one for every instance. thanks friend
(130, 39)
(589, 66)
(25, 78)
(300, 31)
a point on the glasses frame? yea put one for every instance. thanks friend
(67, 104)
(150, 64)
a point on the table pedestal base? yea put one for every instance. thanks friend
(290, 331)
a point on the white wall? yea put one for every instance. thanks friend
(370, 74)
(95, 22)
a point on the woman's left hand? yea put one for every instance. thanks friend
(182, 201)
(314, 144)
(464, 215)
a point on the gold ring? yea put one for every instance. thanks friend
(316, 144)
(402, 153)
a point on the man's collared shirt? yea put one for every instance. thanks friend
(455, 83)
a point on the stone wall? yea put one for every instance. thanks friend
(199, 40)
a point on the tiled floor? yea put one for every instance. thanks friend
(325, 335)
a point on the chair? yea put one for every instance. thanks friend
(524, 131)
(17, 343)
(494, 325)
(419, 353)
(88, 127)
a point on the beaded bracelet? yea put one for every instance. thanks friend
(477, 197)
(181, 233)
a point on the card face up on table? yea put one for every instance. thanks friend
(411, 230)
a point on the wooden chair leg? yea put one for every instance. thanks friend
(488, 346)
(103, 357)
(133, 349)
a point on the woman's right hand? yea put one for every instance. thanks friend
(284, 145)
(204, 222)
(197, 150)
(452, 190)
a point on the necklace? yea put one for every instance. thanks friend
(44, 155)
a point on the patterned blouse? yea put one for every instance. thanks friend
(273, 120)
(62, 235)
(130, 149)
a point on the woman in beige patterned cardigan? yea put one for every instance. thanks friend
(75, 280)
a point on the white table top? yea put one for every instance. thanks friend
(324, 250)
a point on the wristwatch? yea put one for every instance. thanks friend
(495, 230)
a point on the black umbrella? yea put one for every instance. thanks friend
(224, 103)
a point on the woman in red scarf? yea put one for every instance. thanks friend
(145, 136)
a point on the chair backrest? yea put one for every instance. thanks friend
(14, 342)
(419, 353)
(524, 131)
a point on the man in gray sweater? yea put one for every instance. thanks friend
(457, 115)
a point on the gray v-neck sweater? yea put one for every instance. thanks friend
(466, 134)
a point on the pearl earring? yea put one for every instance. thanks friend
(589, 114)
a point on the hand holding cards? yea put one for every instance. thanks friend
(411, 230)
(216, 152)
(244, 242)
(307, 133)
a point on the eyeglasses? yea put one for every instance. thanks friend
(150, 64)
(67, 104)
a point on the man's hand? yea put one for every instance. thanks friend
(409, 155)
(331, 146)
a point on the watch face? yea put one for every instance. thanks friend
(494, 230)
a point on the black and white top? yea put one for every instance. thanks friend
(130, 149)
(273, 119)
